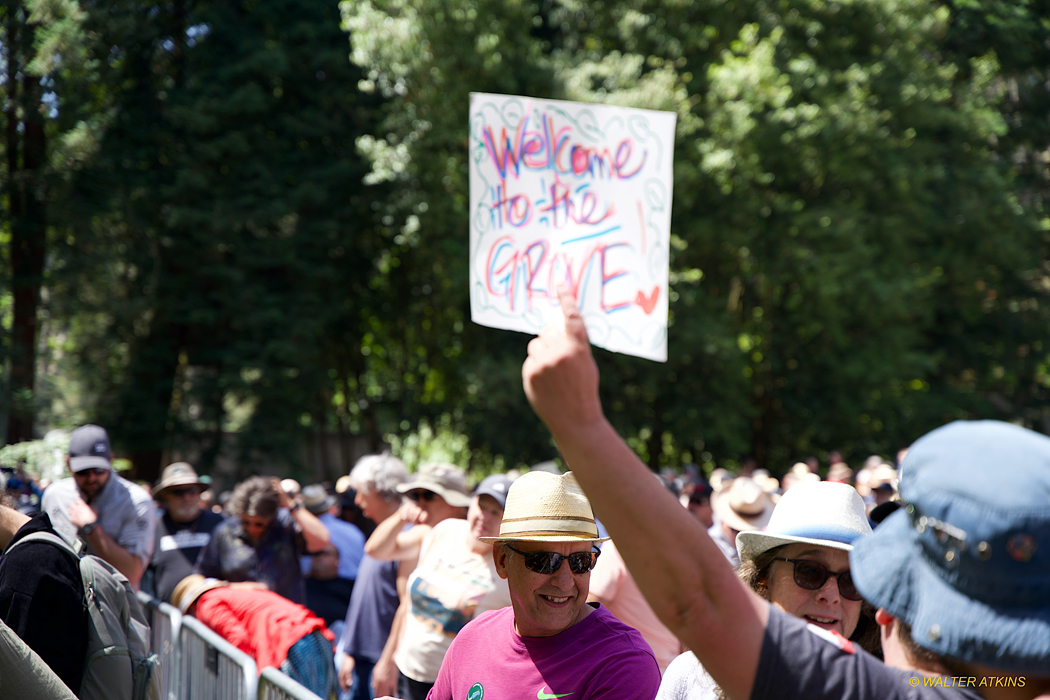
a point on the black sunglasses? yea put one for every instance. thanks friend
(549, 562)
(179, 493)
(812, 575)
(421, 495)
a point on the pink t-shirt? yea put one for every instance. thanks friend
(614, 586)
(599, 657)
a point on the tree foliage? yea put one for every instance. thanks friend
(250, 234)
(851, 263)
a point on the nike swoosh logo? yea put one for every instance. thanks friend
(543, 695)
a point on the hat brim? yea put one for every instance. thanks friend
(500, 498)
(542, 538)
(161, 487)
(753, 544)
(451, 496)
(79, 464)
(889, 569)
(720, 505)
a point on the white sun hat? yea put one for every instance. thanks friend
(544, 507)
(828, 514)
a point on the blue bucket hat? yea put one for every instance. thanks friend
(966, 562)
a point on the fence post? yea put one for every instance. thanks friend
(212, 668)
(274, 685)
(165, 622)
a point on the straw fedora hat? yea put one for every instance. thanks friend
(545, 507)
(191, 588)
(743, 505)
(827, 513)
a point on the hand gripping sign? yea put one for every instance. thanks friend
(566, 192)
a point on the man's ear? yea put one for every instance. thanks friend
(500, 557)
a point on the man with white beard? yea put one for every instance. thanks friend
(182, 530)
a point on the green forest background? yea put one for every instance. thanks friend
(250, 219)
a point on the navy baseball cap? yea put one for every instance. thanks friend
(89, 448)
(497, 486)
(966, 560)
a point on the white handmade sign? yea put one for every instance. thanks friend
(573, 193)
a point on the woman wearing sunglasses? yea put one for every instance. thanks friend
(799, 563)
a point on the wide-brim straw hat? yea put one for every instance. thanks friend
(178, 474)
(743, 505)
(444, 479)
(545, 507)
(827, 513)
(191, 588)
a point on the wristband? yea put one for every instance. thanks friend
(295, 506)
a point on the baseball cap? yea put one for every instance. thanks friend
(89, 448)
(495, 485)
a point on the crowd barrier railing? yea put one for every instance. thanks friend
(198, 664)
(274, 685)
(165, 622)
(212, 668)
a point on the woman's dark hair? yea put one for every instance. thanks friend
(254, 497)
(755, 573)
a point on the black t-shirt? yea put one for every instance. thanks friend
(803, 662)
(175, 551)
(42, 600)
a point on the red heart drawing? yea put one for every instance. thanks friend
(647, 303)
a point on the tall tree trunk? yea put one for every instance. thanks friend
(28, 215)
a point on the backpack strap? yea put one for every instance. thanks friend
(87, 571)
(48, 537)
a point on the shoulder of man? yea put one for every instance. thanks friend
(209, 521)
(61, 489)
(334, 523)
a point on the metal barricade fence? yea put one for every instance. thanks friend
(274, 685)
(165, 622)
(211, 668)
(198, 664)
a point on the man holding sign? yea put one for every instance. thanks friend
(962, 564)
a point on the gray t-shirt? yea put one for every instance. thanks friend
(802, 661)
(125, 512)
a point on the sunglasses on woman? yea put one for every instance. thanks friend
(421, 495)
(549, 562)
(812, 575)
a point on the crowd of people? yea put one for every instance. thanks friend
(931, 580)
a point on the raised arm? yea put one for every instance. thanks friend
(315, 534)
(681, 572)
(389, 543)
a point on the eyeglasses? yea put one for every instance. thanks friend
(812, 575)
(97, 471)
(190, 491)
(549, 562)
(421, 495)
